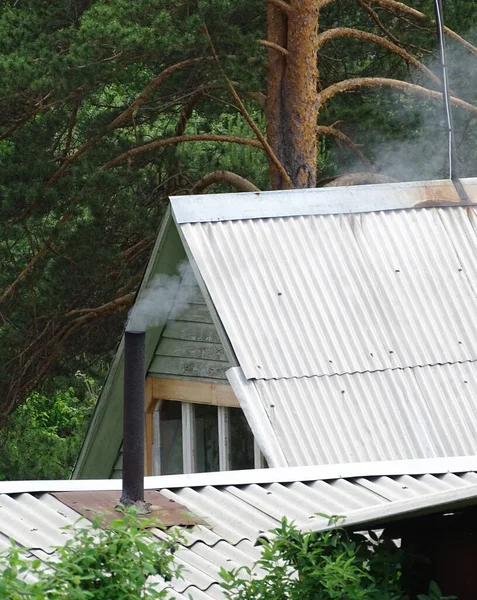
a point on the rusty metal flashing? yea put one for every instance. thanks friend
(215, 208)
(102, 503)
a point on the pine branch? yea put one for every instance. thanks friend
(238, 182)
(204, 137)
(326, 130)
(349, 85)
(349, 32)
(265, 145)
(126, 114)
(359, 179)
(393, 5)
(274, 46)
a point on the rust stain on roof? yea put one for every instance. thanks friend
(165, 512)
(441, 195)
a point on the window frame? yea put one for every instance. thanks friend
(189, 457)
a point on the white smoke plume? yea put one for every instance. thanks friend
(163, 298)
(425, 154)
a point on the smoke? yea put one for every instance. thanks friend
(413, 146)
(163, 298)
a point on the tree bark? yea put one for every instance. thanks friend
(292, 103)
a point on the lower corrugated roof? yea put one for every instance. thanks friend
(240, 506)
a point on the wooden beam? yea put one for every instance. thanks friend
(216, 394)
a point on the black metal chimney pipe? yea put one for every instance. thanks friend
(133, 419)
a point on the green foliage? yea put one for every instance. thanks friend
(97, 563)
(69, 69)
(44, 435)
(330, 565)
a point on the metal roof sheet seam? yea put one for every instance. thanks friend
(435, 466)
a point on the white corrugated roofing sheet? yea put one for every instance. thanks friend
(387, 415)
(322, 295)
(239, 507)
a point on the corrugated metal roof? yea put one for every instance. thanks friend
(350, 313)
(238, 513)
(386, 415)
(322, 295)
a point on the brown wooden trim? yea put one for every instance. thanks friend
(217, 394)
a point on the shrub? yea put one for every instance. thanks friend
(327, 565)
(113, 563)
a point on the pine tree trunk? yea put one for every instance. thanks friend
(292, 104)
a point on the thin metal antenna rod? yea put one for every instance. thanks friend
(445, 91)
(452, 150)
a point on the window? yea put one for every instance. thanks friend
(170, 436)
(206, 438)
(241, 441)
(198, 438)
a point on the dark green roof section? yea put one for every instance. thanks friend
(186, 346)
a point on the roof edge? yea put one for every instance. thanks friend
(420, 466)
(320, 201)
(375, 516)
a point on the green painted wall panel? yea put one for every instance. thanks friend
(189, 367)
(200, 332)
(191, 349)
(103, 439)
(196, 313)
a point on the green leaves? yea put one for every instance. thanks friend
(97, 564)
(43, 437)
(332, 565)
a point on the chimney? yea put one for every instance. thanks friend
(133, 421)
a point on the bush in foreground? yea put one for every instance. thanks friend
(111, 563)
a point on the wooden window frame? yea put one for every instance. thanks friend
(190, 393)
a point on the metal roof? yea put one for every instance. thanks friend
(240, 506)
(350, 315)
(319, 295)
(387, 415)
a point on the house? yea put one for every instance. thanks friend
(233, 509)
(339, 322)
(329, 331)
